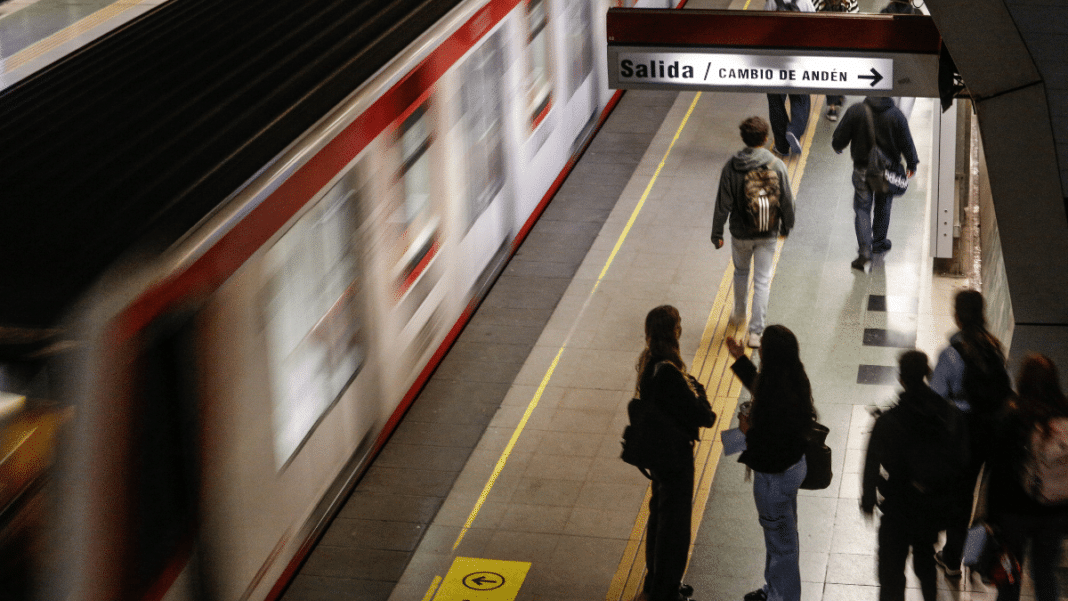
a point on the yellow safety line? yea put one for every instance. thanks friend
(65, 35)
(433, 588)
(552, 367)
(713, 370)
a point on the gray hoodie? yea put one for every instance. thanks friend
(731, 196)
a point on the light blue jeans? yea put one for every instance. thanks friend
(761, 252)
(776, 503)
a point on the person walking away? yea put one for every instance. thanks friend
(917, 461)
(834, 102)
(971, 375)
(1037, 418)
(662, 377)
(788, 128)
(893, 136)
(776, 433)
(754, 191)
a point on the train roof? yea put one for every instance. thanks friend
(133, 139)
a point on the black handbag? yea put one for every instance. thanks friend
(818, 458)
(883, 176)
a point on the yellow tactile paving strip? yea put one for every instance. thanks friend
(711, 365)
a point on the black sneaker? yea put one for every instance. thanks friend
(857, 263)
(950, 572)
(881, 246)
(757, 595)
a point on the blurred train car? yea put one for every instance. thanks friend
(229, 390)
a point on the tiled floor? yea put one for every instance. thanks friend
(545, 484)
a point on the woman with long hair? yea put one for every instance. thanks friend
(1026, 526)
(776, 432)
(662, 379)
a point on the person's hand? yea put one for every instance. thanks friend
(868, 513)
(735, 348)
(717, 242)
(909, 173)
(743, 422)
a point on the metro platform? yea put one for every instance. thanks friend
(544, 484)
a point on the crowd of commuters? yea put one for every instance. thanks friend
(962, 446)
(958, 452)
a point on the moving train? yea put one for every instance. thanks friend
(228, 390)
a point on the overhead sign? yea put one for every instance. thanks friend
(473, 579)
(775, 52)
(726, 70)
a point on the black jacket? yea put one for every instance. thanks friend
(919, 415)
(679, 395)
(775, 440)
(891, 130)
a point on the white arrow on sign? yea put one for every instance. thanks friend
(756, 70)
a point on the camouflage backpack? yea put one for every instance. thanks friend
(763, 194)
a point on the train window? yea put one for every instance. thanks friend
(539, 80)
(482, 113)
(580, 46)
(311, 317)
(414, 224)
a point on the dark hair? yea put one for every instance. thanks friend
(782, 387)
(913, 368)
(754, 131)
(969, 309)
(1038, 389)
(662, 328)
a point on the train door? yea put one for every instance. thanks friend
(488, 208)
(410, 237)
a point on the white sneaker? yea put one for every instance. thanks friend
(735, 320)
(754, 340)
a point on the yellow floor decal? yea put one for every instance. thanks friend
(473, 579)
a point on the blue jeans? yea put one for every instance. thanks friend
(776, 502)
(871, 229)
(795, 123)
(761, 251)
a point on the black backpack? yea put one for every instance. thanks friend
(653, 441)
(936, 470)
(986, 381)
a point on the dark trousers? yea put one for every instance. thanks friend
(835, 100)
(981, 432)
(896, 535)
(795, 122)
(667, 539)
(1038, 539)
(871, 216)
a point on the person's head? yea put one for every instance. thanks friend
(1039, 384)
(754, 131)
(782, 386)
(968, 310)
(779, 348)
(913, 369)
(663, 326)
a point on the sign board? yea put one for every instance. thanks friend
(473, 579)
(746, 71)
(775, 52)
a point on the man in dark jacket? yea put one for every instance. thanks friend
(921, 446)
(747, 244)
(894, 138)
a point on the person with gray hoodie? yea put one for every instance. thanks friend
(754, 191)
